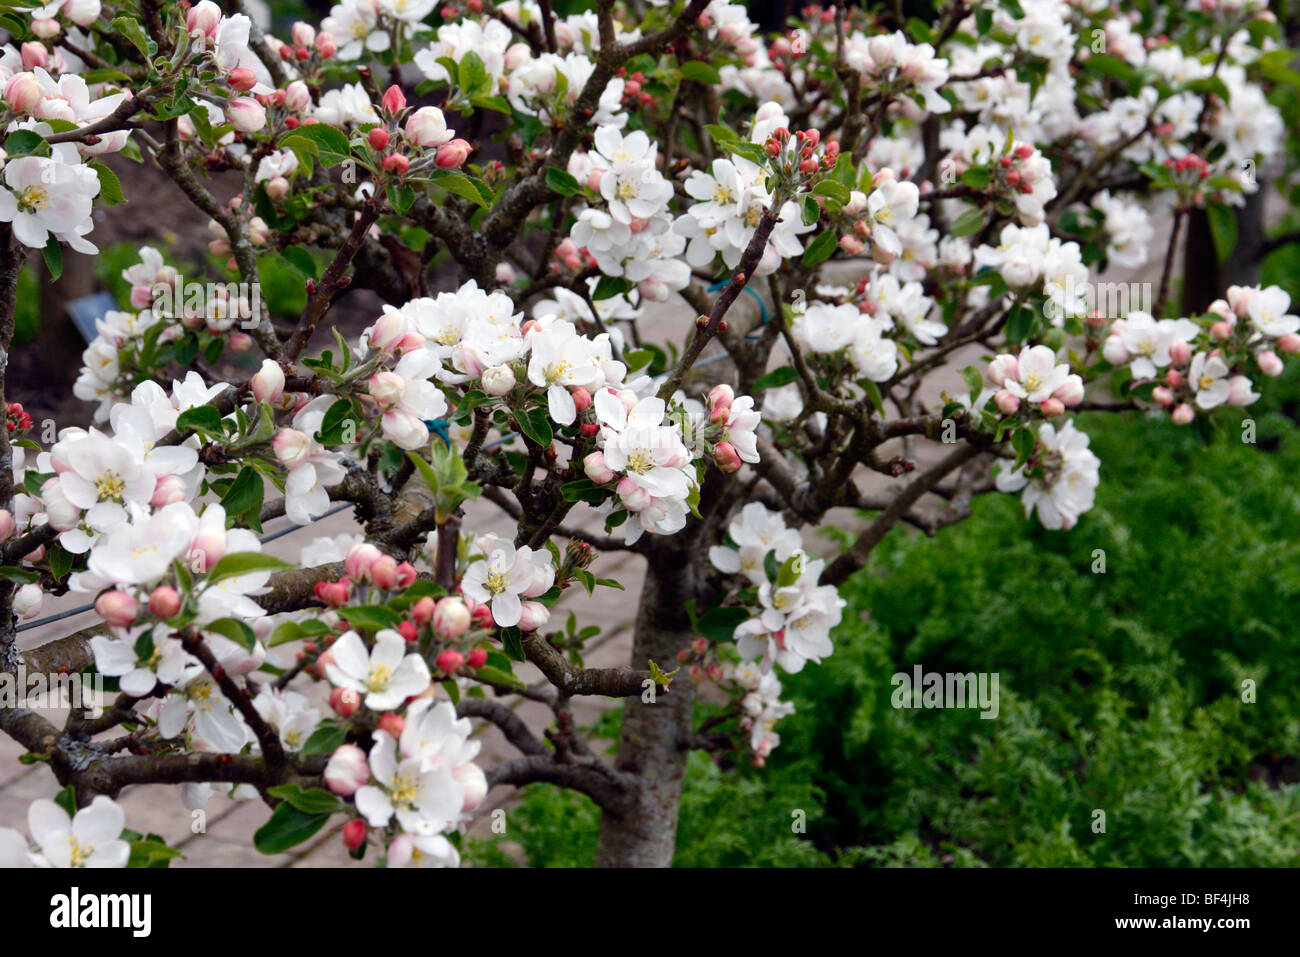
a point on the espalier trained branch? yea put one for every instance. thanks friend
(893, 198)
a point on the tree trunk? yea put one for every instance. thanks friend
(645, 834)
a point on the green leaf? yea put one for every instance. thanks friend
(235, 630)
(719, 624)
(133, 31)
(245, 494)
(968, 223)
(60, 560)
(151, 854)
(658, 676)
(110, 187)
(201, 418)
(1022, 440)
(830, 188)
(25, 143)
(700, 72)
(53, 254)
(296, 631)
(974, 379)
(472, 75)
(497, 677)
(561, 182)
(820, 249)
(20, 576)
(288, 827)
(323, 140)
(775, 379)
(609, 286)
(536, 424)
(245, 563)
(371, 617)
(1223, 228)
(311, 801)
(326, 739)
(513, 643)
(337, 423)
(873, 395)
(475, 190)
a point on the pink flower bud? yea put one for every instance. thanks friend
(850, 243)
(473, 781)
(344, 702)
(1182, 415)
(47, 28)
(207, 548)
(1002, 368)
(387, 332)
(480, 615)
(394, 100)
(7, 524)
(334, 594)
(203, 18)
(359, 559)
(277, 187)
(1180, 352)
(303, 34)
(34, 54)
(347, 770)
(1007, 403)
(517, 54)
(449, 662)
(632, 495)
(427, 127)
(354, 834)
(451, 618)
(1269, 364)
(394, 724)
(242, 79)
(1163, 396)
(1220, 331)
(1173, 378)
(268, 382)
(452, 155)
(246, 115)
(726, 456)
(581, 398)
(1114, 351)
(386, 388)
(378, 139)
(383, 573)
(165, 602)
(296, 96)
(533, 615)
(596, 469)
(721, 396)
(396, 163)
(291, 447)
(117, 608)
(1051, 407)
(406, 574)
(1289, 344)
(422, 611)
(23, 92)
(325, 45)
(477, 658)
